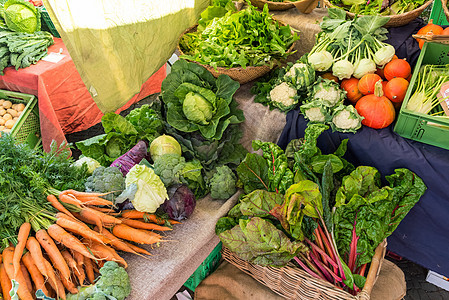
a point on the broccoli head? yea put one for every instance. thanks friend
(113, 282)
(222, 183)
(168, 167)
(104, 180)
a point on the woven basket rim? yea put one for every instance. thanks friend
(392, 17)
(223, 69)
(291, 268)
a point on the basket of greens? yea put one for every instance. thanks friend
(401, 12)
(304, 6)
(312, 225)
(243, 45)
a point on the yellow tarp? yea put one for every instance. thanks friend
(117, 45)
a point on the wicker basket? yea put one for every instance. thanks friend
(304, 6)
(292, 282)
(445, 9)
(395, 20)
(241, 75)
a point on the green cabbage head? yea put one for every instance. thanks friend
(197, 102)
(21, 16)
(197, 109)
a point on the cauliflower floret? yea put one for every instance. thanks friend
(283, 94)
(314, 114)
(297, 66)
(346, 119)
(331, 95)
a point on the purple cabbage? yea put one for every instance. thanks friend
(131, 158)
(181, 202)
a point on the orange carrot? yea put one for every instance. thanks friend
(23, 292)
(70, 261)
(70, 200)
(79, 258)
(5, 282)
(81, 229)
(54, 281)
(105, 219)
(142, 225)
(104, 252)
(108, 211)
(56, 204)
(115, 241)
(135, 235)
(36, 276)
(92, 200)
(77, 268)
(61, 236)
(135, 214)
(22, 237)
(53, 252)
(34, 248)
(69, 285)
(26, 275)
(137, 249)
(85, 194)
(89, 270)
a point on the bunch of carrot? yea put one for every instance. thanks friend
(67, 252)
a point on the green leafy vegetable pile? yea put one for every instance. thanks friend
(315, 209)
(122, 133)
(238, 39)
(379, 7)
(21, 49)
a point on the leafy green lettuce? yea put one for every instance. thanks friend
(121, 134)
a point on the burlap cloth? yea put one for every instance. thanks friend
(229, 283)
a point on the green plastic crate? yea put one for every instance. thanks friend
(27, 127)
(209, 265)
(422, 127)
(47, 23)
(437, 14)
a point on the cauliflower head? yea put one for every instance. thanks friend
(328, 92)
(222, 183)
(300, 75)
(104, 180)
(346, 119)
(284, 97)
(315, 111)
(168, 167)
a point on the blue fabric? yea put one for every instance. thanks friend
(423, 235)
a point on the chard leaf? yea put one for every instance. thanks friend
(253, 173)
(280, 176)
(259, 203)
(317, 163)
(235, 240)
